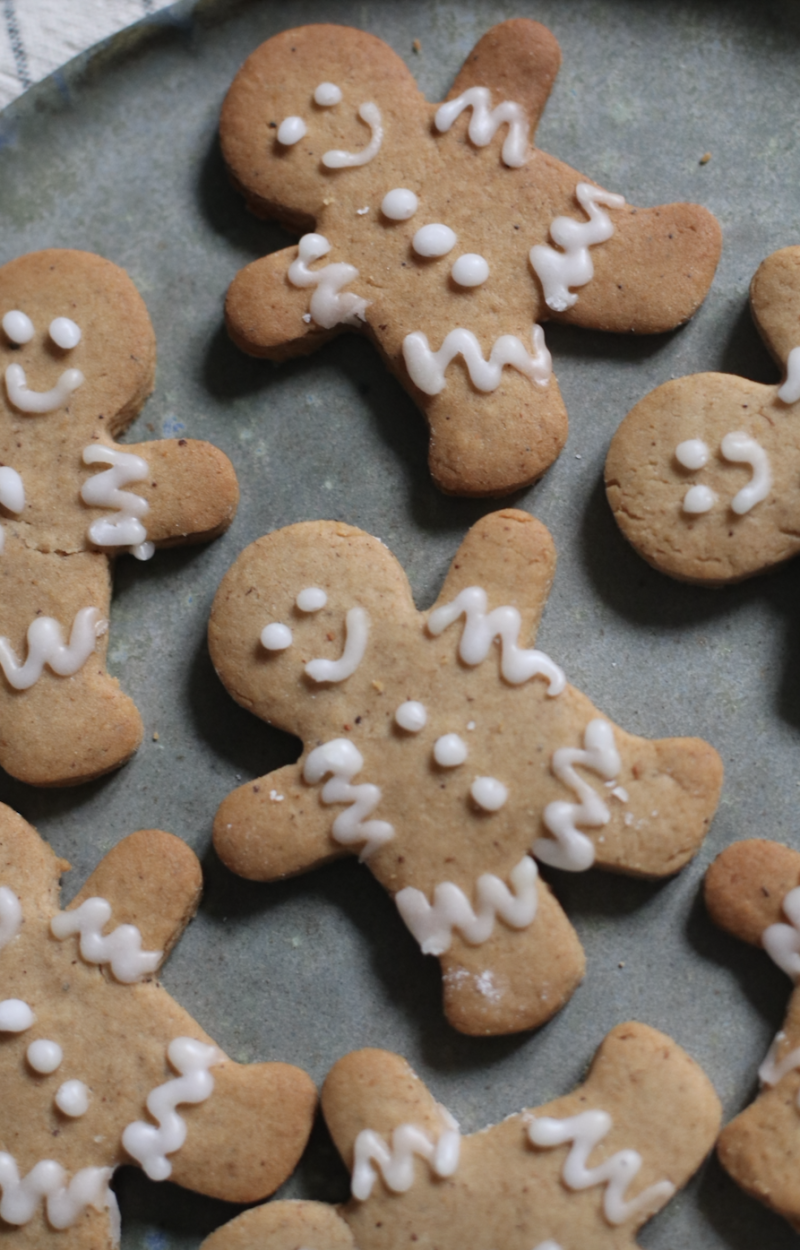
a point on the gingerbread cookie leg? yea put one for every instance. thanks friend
(600, 1161)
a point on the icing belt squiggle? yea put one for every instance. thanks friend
(66, 1200)
(46, 646)
(573, 851)
(340, 760)
(433, 925)
(517, 664)
(122, 948)
(396, 1164)
(585, 1131)
(426, 368)
(558, 271)
(329, 307)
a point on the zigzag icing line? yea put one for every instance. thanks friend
(433, 925)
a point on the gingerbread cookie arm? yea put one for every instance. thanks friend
(517, 60)
(150, 879)
(241, 1144)
(746, 885)
(189, 488)
(275, 827)
(660, 1103)
(775, 302)
(56, 614)
(268, 317)
(284, 1226)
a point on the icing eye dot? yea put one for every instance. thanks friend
(693, 454)
(489, 793)
(449, 751)
(699, 499)
(291, 130)
(72, 1098)
(399, 204)
(65, 333)
(327, 94)
(44, 1056)
(15, 1016)
(411, 716)
(470, 270)
(276, 637)
(18, 326)
(434, 240)
(311, 599)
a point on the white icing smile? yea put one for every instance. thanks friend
(338, 159)
(39, 402)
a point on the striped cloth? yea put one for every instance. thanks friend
(37, 36)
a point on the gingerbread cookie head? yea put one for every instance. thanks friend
(284, 1226)
(753, 891)
(702, 473)
(77, 359)
(586, 1170)
(99, 1066)
(442, 748)
(443, 234)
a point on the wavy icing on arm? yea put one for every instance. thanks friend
(558, 271)
(433, 925)
(790, 391)
(396, 1163)
(585, 1131)
(572, 850)
(329, 307)
(121, 949)
(66, 1199)
(10, 916)
(339, 760)
(774, 1070)
(426, 367)
(104, 491)
(150, 1146)
(12, 494)
(46, 646)
(517, 664)
(485, 123)
(782, 941)
(356, 635)
(338, 159)
(38, 402)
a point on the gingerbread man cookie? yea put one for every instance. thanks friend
(99, 1066)
(77, 357)
(441, 758)
(586, 1170)
(753, 891)
(444, 235)
(702, 474)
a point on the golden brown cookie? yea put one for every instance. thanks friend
(702, 474)
(77, 354)
(284, 1226)
(99, 1066)
(586, 1170)
(442, 234)
(753, 891)
(442, 750)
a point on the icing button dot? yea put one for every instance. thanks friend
(327, 94)
(65, 333)
(489, 793)
(434, 240)
(44, 1056)
(399, 204)
(311, 599)
(276, 637)
(449, 751)
(291, 130)
(72, 1098)
(411, 716)
(15, 1016)
(470, 270)
(18, 326)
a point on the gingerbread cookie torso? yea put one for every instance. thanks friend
(77, 355)
(99, 1066)
(752, 890)
(444, 235)
(442, 750)
(586, 1170)
(702, 474)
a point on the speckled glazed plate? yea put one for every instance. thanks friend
(118, 154)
